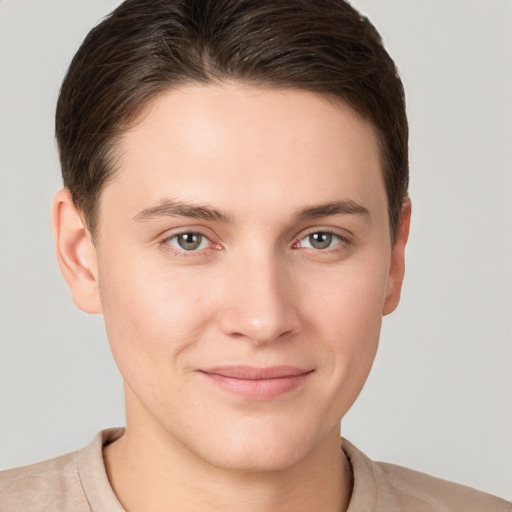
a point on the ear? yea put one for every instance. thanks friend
(75, 253)
(397, 264)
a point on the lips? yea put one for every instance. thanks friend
(257, 383)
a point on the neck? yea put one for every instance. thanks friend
(149, 473)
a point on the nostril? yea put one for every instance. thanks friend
(259, 329)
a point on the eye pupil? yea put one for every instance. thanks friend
(320, 240)
(189, 241)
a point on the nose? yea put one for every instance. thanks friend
(259, 304)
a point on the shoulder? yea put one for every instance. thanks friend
(76, 482)
(414, 486)
(34, 488)
(391, 487)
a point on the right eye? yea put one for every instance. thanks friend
(188, 241)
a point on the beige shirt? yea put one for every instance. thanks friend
(78, 482)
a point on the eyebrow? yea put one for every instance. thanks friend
(171, 208)
(347, 207)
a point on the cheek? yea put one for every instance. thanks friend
(152, 316)
(350, 296)
(347, 315)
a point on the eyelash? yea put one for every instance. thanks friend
(343, 243)
(166, 245)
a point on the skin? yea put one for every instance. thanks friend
(252, 171)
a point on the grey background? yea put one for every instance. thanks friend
(440, 395)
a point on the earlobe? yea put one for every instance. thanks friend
(397, 264)
(76, 254)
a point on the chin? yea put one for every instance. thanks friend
(257, 450)
(262, 459)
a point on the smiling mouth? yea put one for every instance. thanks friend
(257, 383)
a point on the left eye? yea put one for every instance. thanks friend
(320, 240)
(189, 241)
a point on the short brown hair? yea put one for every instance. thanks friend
(145, 47)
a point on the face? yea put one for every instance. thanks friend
(244, 263)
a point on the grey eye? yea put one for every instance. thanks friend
(320, 240)
(189, 241)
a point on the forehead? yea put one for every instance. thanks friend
(244, 147)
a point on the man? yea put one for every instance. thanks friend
(236, 207)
